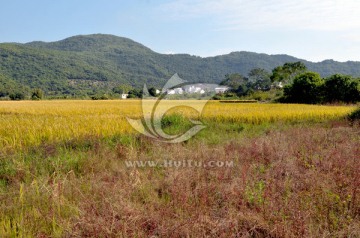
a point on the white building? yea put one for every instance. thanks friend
(194, 89)
(198, 89)
(277, 85)
(175, 91)
(124, 96)
(221, 89)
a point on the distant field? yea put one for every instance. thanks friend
(25, 123)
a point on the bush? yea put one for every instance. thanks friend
(100, 97)
(310, 88)
(341, 88)
(354, 116)
(217, 97)
(17, 96)
(37, 94)
(305, 89)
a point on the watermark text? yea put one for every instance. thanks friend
(178, 164)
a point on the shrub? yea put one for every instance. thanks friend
(37, 94)
(100, 97)
(305, 89)
(17, 96)
(354, 116)
(341, 88)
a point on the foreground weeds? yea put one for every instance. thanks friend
(294, 182)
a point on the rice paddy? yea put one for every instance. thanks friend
(29, 123)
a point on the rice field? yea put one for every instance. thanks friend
(297, 180)
(29, 123)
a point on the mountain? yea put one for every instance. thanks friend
(88, 63)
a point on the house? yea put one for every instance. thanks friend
(221, 89)
(175, 91)
(193, 89)
(124, 96)
(197, 89)
(278, 85)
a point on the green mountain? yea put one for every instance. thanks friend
(89, 63)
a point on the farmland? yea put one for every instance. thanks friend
(295, 171)
(28, 123)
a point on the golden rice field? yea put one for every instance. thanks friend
(24, 123)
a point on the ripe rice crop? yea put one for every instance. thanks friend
(28, 123)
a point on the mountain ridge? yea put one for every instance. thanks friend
(37, 43)
(101, 61)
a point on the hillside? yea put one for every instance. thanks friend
(89, 63)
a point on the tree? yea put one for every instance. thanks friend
(17, 96)
(237, 83)
(306, 88)
(122, 88)
(259, 79)
(37, 94)
(134, 93)
(287, 72)
(341, 88)
(152, 91)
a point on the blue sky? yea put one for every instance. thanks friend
(310, 29)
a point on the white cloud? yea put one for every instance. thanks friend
(326, 15)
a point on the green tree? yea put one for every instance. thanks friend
(341, 88)
(17, 96)
(259, 79)
(306, 88)
(37, 94)
(287, 72)
(122, 88)
(237, 83)
(134, 93)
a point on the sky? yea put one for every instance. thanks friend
(314, 30)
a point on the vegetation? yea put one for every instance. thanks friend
(37, 94)
(288, 72)
(29, 123)
(306, 88)
(92, 65)
(301, 86)
(66, 171)
(341, 88)
(310, 88)
(259, 79)
(17, 96)
(12, 89)
(71, 168)
(355, 116)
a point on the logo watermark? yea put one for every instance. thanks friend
(178, 164)
(155, 109)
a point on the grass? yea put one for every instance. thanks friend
(64, 172)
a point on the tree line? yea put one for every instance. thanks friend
(288, 83)
(297, 84)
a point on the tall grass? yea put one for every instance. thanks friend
(301, 182)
